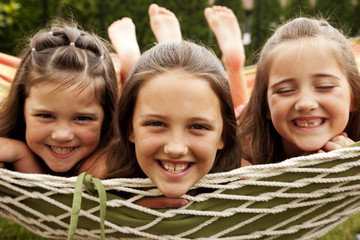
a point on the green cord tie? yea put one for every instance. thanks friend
(88, 181)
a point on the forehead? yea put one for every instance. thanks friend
(302, 54)
(178, 79)
(49, 90)
(167, 88)
(295, 48)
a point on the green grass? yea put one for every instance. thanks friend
(12, 231)
(345, 231)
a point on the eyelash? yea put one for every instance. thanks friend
(48, 116)
(45, 115)
(328, 87)
(200, 127)
(154, 124)
(194, 126)
(285, 90)
(83, 118)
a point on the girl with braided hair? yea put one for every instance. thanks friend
(59, 113)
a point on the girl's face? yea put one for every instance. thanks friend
(62, 126)
(309, 97)
(177, 128)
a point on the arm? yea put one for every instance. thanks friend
(95, 165)
(161, 202)
(18, 153)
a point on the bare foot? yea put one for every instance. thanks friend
(225, 26)
(164, 24)
(123, 37)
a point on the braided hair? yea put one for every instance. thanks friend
(62, 55)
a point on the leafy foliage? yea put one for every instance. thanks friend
(19, 19)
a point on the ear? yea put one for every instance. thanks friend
(132, 137)
(221, 144)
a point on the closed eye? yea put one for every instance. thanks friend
(284, 91)
(325, 87)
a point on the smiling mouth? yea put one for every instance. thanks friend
(308, 123)
(62, 150)
(175, 167)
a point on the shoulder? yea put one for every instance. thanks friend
(95, 165)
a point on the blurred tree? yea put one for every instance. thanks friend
(29, 19)
(7, 13)
(297, 8)
(267, 14)
(338, 13)
(97, 15)
(355, 27)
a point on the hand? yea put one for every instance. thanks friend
(17, 152)
(10, 149)
(161, 202)
(337, 142)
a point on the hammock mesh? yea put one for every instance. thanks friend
(300, 198)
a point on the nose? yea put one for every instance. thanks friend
(306, 102)
(176, 145)
(62, 133)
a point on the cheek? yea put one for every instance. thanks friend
(35, 132)
(89, 136)
(147, 144)
(205, 150)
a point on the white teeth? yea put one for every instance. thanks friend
(61, 150)
(305, 123)
(175, 169)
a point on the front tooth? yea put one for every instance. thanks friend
(180, 168)
(61, 150)
(174, 169)
(303, 123)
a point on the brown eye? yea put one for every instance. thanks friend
(200, 127)
(83, 118)
(155, 124)
(45, 115)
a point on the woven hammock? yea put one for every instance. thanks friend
(300, 198)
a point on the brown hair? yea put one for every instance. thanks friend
(190, 58)
(62, 55)
(261, 142)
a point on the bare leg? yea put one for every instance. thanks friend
(225, 26)
(164, 24)
(123, 37)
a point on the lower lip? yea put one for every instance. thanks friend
(175, 176)
(61, 155)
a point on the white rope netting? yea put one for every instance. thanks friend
(300, 198)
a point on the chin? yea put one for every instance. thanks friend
(312, 148)
(173, 194)
(59, 169)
